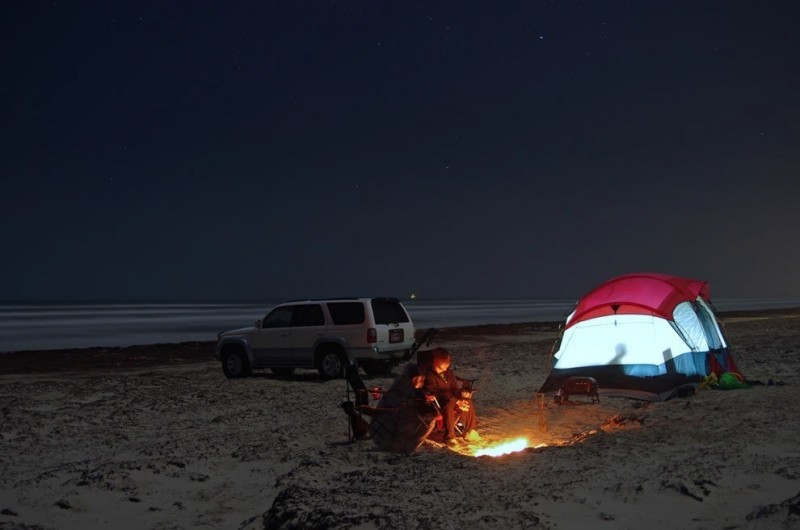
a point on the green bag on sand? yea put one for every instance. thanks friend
(731, 381)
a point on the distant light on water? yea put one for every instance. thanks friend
(43, 326)
(453, 313)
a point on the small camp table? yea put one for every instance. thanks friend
(577, 386)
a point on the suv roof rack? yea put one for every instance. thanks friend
(389, 298)
(322, 299)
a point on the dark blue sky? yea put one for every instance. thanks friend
(263, 150)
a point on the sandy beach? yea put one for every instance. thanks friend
(155, 437)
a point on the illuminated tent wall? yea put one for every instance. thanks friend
(643, 336)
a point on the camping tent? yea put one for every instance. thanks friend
(645, 336)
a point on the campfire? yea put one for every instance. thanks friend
(480, 448)
(504, 448)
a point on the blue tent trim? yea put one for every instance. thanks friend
(647, 382)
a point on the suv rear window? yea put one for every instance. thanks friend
(388, 311)
(344, 313)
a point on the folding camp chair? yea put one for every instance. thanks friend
(393, 418)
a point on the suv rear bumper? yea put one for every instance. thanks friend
(373, 354)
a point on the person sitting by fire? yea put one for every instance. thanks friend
(443, 388)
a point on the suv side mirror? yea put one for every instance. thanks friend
(258, 324)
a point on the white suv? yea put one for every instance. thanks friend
(372, 333)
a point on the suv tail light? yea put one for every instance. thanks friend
(372, 335)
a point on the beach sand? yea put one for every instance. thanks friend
(155, 437)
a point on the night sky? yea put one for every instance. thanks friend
(516, 149)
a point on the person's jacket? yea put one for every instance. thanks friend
(444, 387)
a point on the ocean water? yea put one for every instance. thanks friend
(57, 326)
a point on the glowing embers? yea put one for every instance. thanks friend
(477, 449)
(504, 448)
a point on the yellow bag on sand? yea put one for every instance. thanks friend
(709, 382)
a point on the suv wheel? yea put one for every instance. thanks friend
(235, 364)
(330, 364)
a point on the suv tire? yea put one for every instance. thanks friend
(235, 364)
(331, 363)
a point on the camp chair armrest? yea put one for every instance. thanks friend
(467, 385)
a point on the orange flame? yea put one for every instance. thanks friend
(480, 447)
(512, 446)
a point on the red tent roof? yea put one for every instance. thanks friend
(641, 294)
